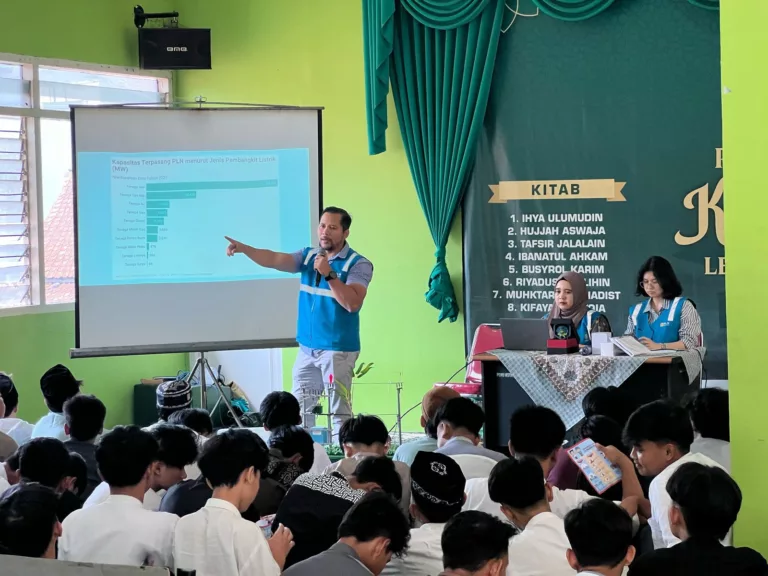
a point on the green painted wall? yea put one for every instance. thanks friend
(98, 31)
(745, 147)
(305, 52)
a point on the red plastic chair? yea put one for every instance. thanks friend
(487, 337)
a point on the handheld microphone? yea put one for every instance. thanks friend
(320, 252)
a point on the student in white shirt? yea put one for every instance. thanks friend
(708, 410)
(177, 449)
(119, 530)
(217, 540)
(518, 486)
(600, 535)
(57, 385)
(661, 435)
(28, 523)
(476, 544)
(437, 490)
(282, 409)
(10, 423)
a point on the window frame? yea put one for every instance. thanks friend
(31, 71)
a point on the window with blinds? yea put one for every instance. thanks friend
(15, 286)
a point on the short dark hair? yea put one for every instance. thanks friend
(227, 455)
(600, 533)
(517, 483)
(177, 445)
(708, 411)
(708, 498)
(279, 409)
(611, 402)
(536, 431)
(44, 460)
(85, 416)
(78, 469)
(292, 440)
(662, 422)
(461, 413)
(603, 430)
(471, 539)
(27, 520)
(9, 393)
(124, 454)
(377, 515)
(363, 429)
(346, 219)
(380, 470)
(58, 385)
(665, 276)
(196, 419)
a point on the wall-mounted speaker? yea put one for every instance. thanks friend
(175, 48)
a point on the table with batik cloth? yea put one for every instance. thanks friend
(560, 382)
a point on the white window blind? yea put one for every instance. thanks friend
(15, 287)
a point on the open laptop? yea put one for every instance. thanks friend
(524, 333)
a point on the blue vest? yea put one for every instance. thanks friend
(584, 329)
(665, 329)
(323, 323)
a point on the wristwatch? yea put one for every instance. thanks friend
(331, 276)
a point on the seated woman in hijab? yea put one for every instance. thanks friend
(571, 303)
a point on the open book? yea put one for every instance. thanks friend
(631, 346)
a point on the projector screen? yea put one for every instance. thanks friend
(156, 191)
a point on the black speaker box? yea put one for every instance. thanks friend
(175, 48)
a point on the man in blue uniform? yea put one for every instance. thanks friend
(334, 282)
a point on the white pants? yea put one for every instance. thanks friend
(312, 373)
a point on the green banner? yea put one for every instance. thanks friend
(601, 147)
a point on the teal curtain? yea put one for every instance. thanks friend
(378, 32)
(708, 4)
(573, 10)
(442, 64)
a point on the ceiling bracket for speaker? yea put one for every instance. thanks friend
(140, 17)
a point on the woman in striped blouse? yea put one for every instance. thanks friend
(666, 320)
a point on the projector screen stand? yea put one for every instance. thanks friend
(203, 366)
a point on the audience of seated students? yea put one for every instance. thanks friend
(705, 504)
(189, 496)
(458, 423)
(475, 544)
(661, 435)
(708, 411)
(430, 404)
(196, 419)
(85, 416)
(600, 537)
(372, 532)
(361, 437)
(610, 402)
(57, 385)
(217, 540)
(539, 549)
(437, 492)
(178, 448)
(120, 530)
(283, 409)
(10, 423)
(75, 484)
(539, 432)
(316, 503)
(29, 525)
